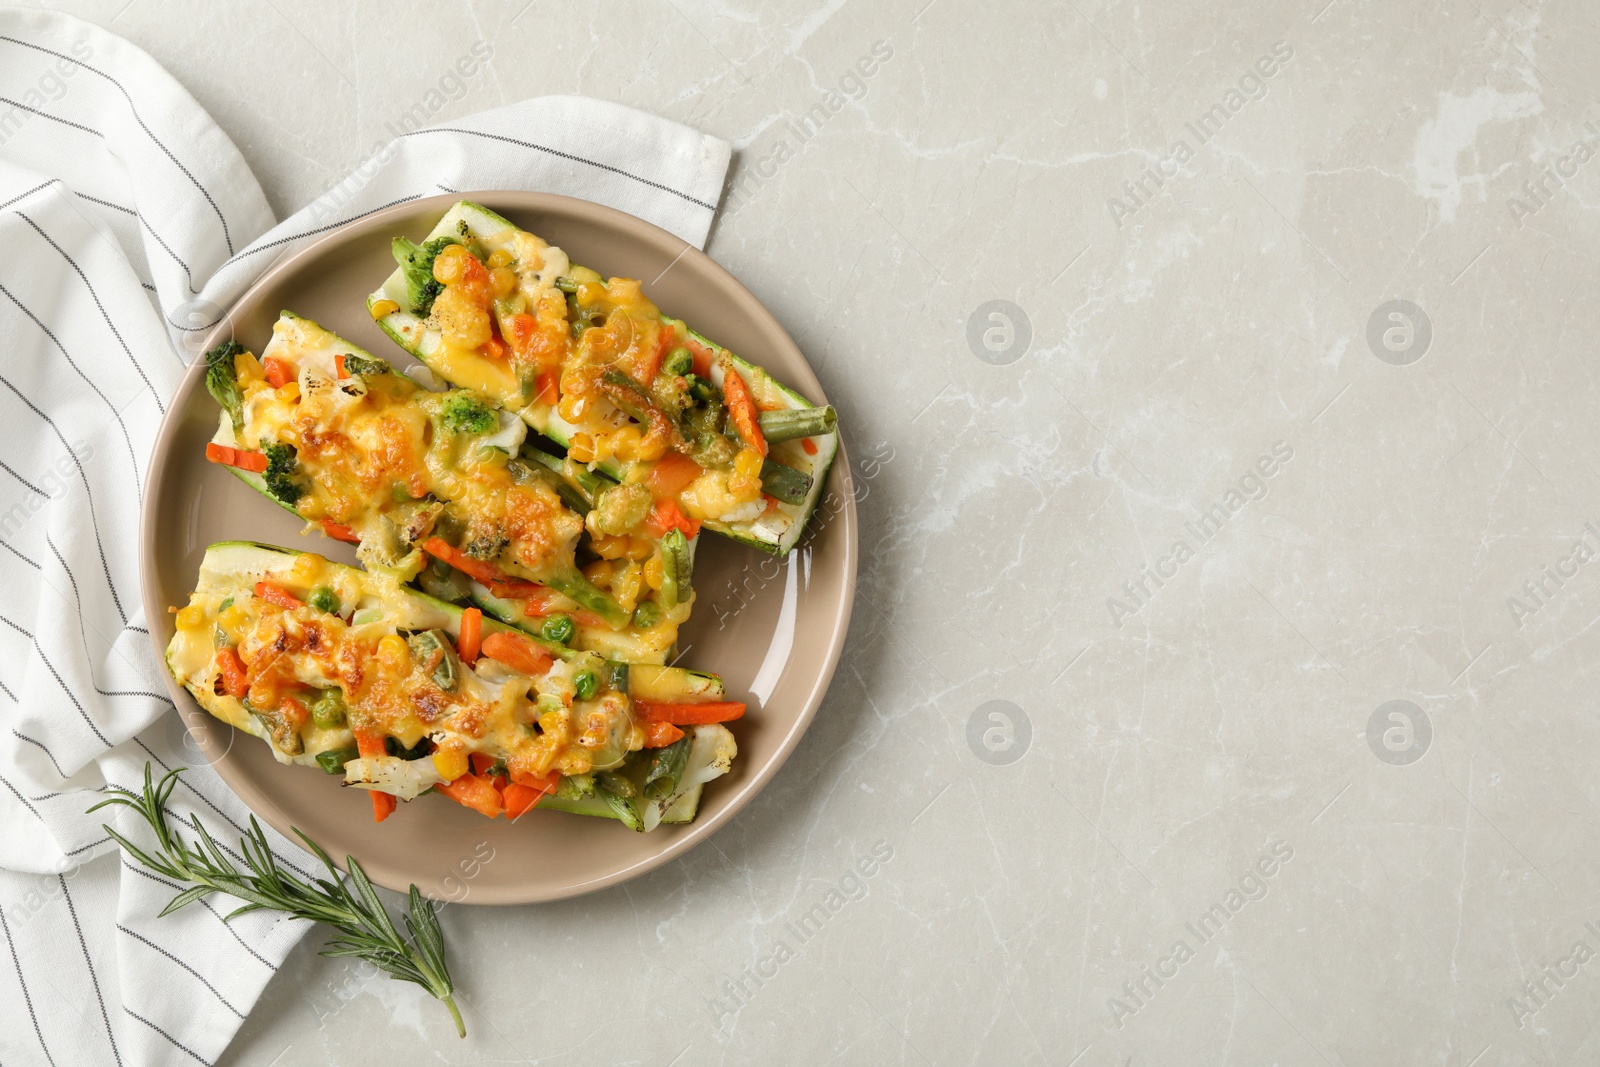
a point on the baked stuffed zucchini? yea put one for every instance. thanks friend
(443, 488)
(403, 694)
(595, 366)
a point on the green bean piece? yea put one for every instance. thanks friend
(328, 711)
(666, 768)
(225, 605)
(675, 569)
(587, 684)
(619, 785)
(647, 614)
(627, 813)
(334, 759)
(785, 483)
(679, 361)
(575, 786)
(324, 599)
(558, 628)
(789, 423)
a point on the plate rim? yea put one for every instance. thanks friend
(840, 480)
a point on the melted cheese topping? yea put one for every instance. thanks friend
(293, 656)
(374, 450)
(552, 363)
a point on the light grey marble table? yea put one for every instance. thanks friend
(1223, 380)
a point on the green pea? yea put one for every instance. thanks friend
(328, 711)
(587, 684)
(325, 599)
(558, 628)
(679, 361)
(647, 614)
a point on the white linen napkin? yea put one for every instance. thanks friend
(122, 205)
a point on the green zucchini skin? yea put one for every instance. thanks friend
(411, 334)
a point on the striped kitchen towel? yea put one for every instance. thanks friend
(128, 221)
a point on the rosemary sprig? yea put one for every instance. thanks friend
(364, 929)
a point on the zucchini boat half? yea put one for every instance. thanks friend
(403, 694)
(595, 366)
(428, 484)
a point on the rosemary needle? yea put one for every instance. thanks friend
(364, 929)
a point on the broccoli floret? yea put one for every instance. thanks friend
(416, 262)
(465, 413)
(486, 545)
(281, 467)
(222, 381)
(225, 351)
(354, 364)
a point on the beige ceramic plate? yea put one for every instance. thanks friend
(772, 630)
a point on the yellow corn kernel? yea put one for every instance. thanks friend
(612, 547)
(554, 725)
(189, 617)
(571, 405)
(640, 548)
(591, 293)
(625, 584)
(235, 618)
(744, 487)
(451, 763)
(393, 654)
(581, 447)
(381, 308)
(502, 280)
(624, 443)
(650, 449)
(248, 368)
(499, 258)
(652, 572)
(449, 264)
(747, 462)
(599, 572)
(307, 568)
